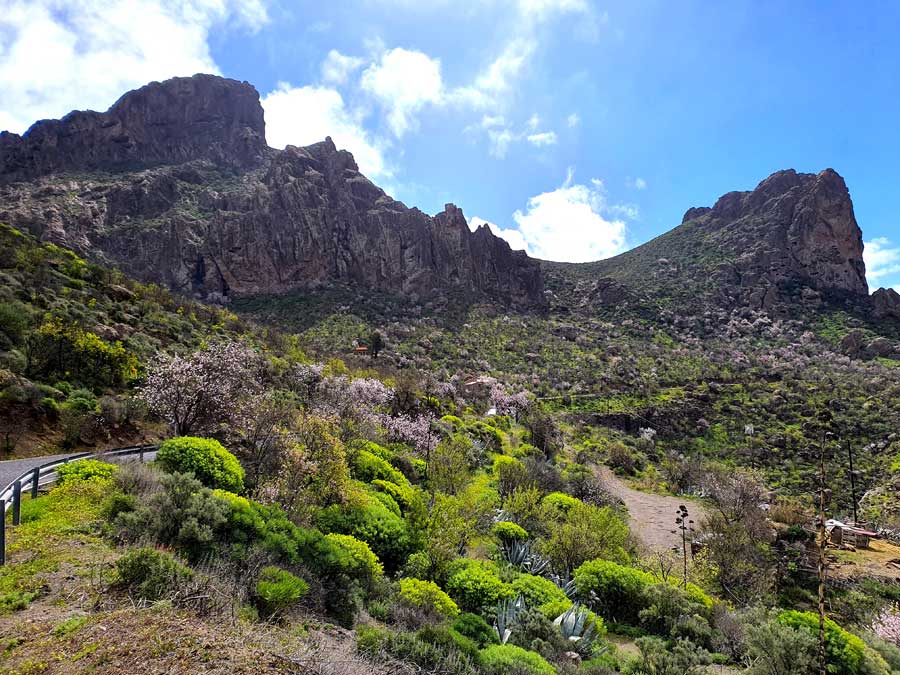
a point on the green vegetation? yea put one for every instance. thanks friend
(206, 458)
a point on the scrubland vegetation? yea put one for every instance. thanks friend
(309, 513)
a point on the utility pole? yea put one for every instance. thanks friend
(823, 542)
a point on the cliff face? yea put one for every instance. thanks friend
(185, 192)
(793, 228)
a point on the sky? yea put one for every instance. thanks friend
(576, 129)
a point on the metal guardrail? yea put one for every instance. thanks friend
(46, 474)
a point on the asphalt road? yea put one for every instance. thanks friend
(13, 468)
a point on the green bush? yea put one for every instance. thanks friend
(557, 505)
(85, 469)
(210, 463)
(845, 652)
(367, 466)
(512, 660)
(148, 574)
(477, 588)
(278, 589)
(183, 514)
(539, 592)
(476, 629)
(427, 595)
(363, 563)
(373, 523)
(508, 532)
(403, 494)
(621, 592)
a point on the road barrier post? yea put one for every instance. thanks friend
(17, 502)
(2, 531)
(35, 480)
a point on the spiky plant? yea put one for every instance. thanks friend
(507, 612)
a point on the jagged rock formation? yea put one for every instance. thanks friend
(182, 119)
(185, 192)
(886, 303)
(794, 240)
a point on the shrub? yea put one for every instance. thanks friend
(373, 523)
(586, 533)
(615, 591)
(845, 651)
(557, 505)
(476, 629)
(367, 466)
(509, 473)
(85, 469)
(507, 532)
(427, 595)
(477, 588)
(403, 494)
(210, 463)
(667, 608)
(540, 592)
(363, 564)
(183, 514)
(148, 574)
(278, 589)
(512, 660)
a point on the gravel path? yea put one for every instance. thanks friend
(652, 516)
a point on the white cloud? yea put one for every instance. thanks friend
(57, 55)
(882, 259)
(337, 68)
(305, 115)
(513, 237)
(541, 139)
(568, 224)
(404, 81)
(573, 120)
(539, 9)
(639, 183)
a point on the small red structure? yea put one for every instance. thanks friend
(360, 350)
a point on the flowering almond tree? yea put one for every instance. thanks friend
(199, 392)
(887, 625)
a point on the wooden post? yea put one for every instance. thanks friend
(17, 502)
(2, 531)
(35, 480)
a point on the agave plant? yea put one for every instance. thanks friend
(575, 624)
(507, 611)
(565, 583)
(519, 553)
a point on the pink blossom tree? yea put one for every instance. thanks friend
(887, 625)
(199, 392)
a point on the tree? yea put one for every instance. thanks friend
(199, 392)
(376, 343)
(448, 470)
(586, 533)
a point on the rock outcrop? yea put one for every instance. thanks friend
(182, 119)
(794, 228)
(886, 304)
(185, 192)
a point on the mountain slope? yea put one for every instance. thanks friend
(793, 241)
(174, 184)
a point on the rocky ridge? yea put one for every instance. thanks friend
(175, 185)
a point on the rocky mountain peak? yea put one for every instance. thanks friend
(179, 120)
(792, 228)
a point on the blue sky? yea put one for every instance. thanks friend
(576, 128)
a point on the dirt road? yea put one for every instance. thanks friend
(651, 516)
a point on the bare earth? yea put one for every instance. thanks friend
(652, 516)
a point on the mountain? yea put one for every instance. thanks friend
(175, 184)
(792, 241)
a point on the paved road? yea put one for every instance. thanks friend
(13, 468)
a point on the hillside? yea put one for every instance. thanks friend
(392, 445)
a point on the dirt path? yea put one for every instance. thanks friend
(652, 517)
